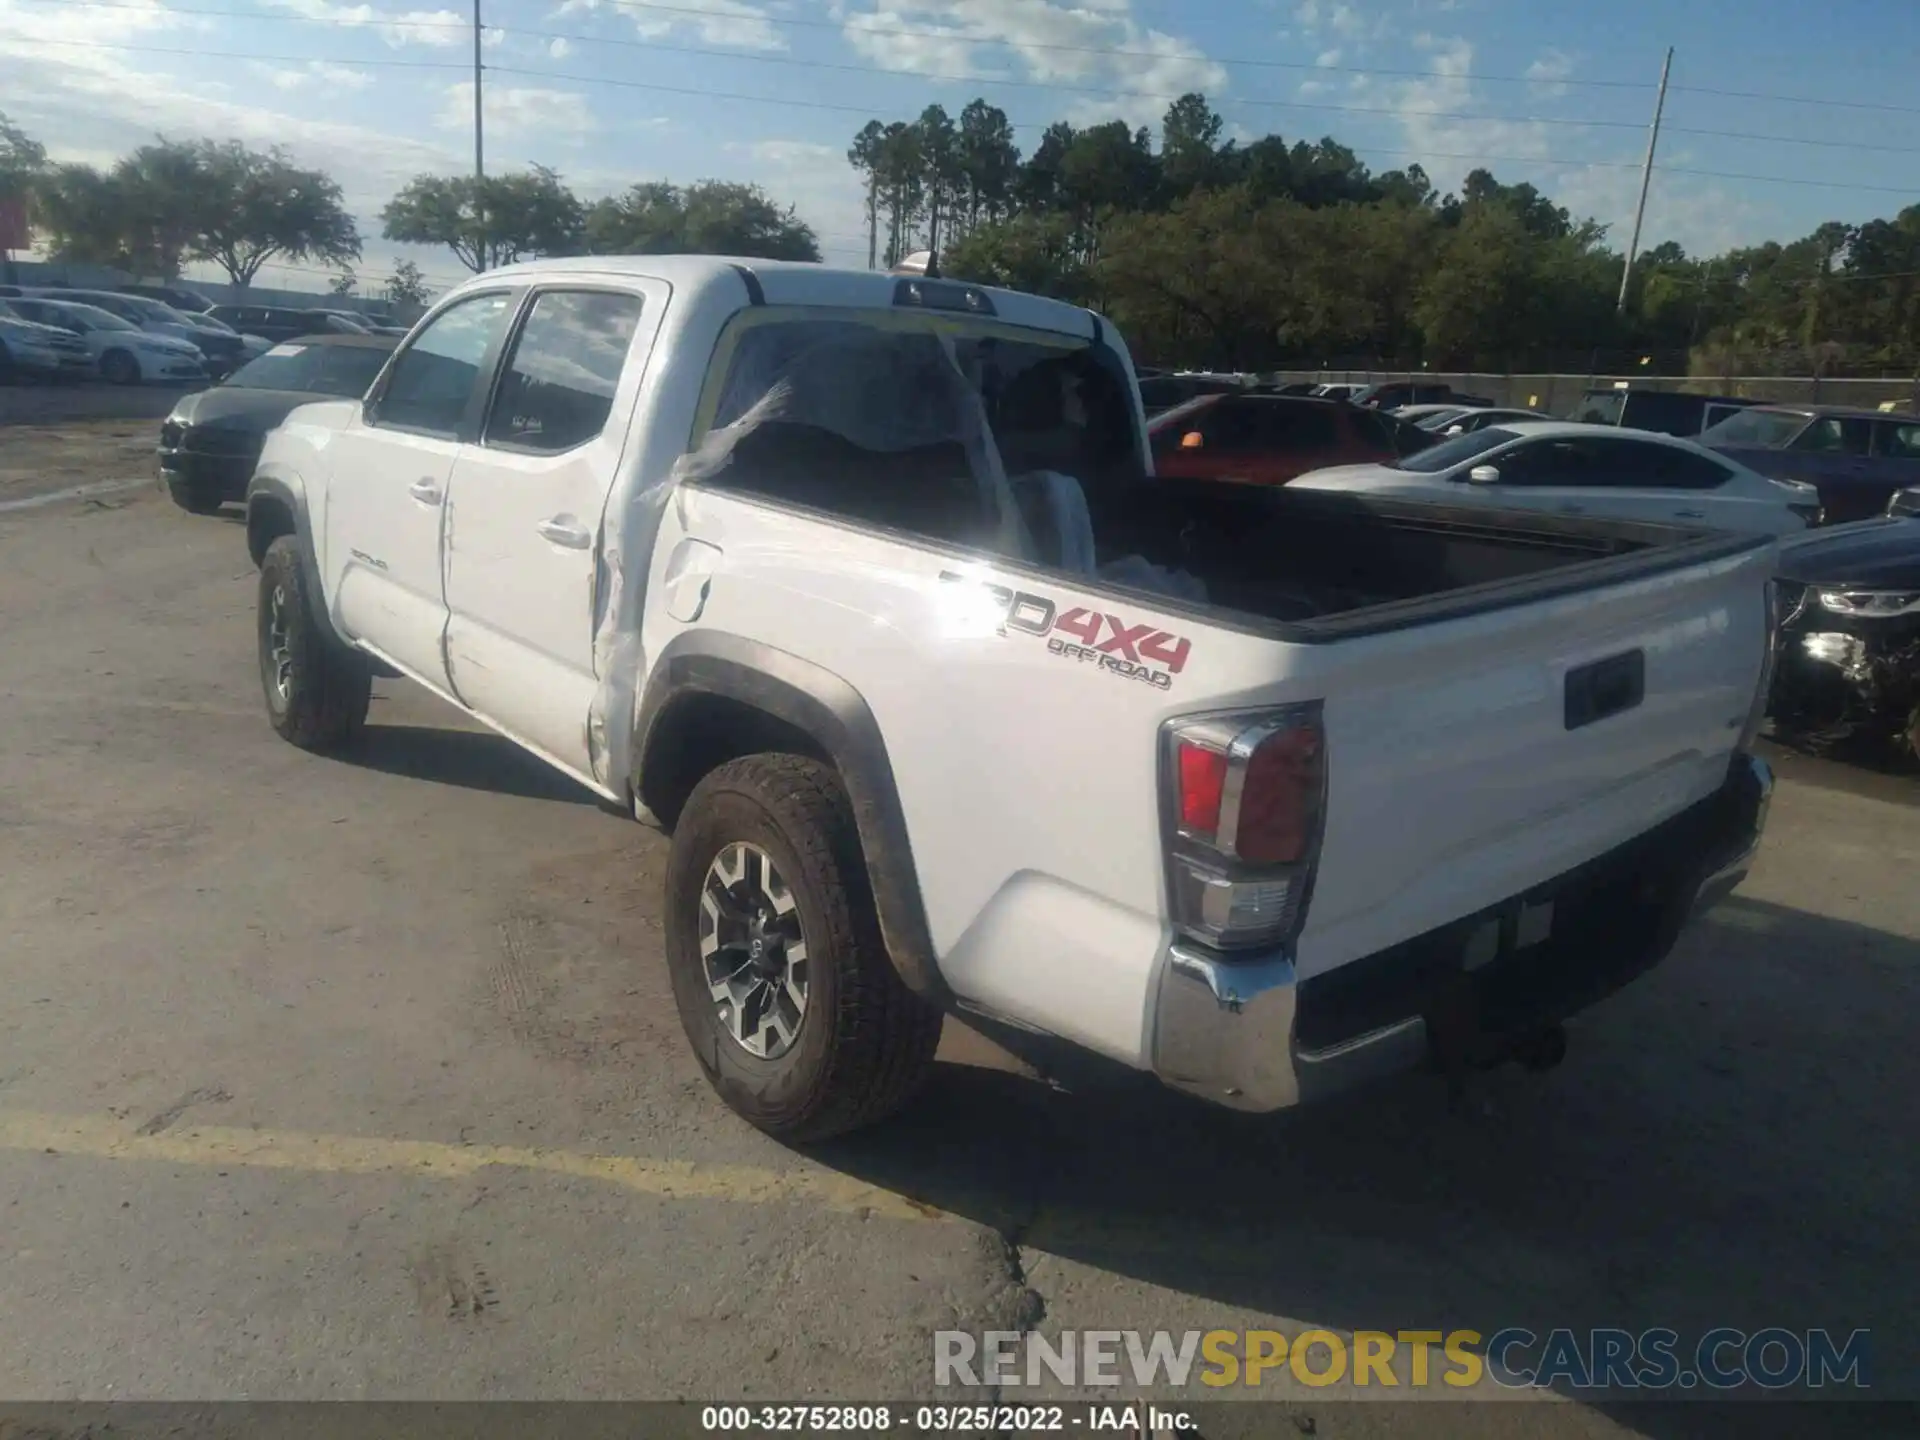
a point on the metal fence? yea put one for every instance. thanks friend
(1561, 394)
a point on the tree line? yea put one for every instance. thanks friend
(221, 202)
(1208, 251)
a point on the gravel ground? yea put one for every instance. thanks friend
(361, 1078)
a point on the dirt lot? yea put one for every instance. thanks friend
(59, 437)
(355, 1078)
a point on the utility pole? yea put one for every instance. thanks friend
(1646, 178)
(480, 148)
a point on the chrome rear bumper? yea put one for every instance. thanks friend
(1227, 1027)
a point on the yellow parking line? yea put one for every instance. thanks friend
(213, 1145)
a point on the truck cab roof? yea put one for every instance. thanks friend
(789, 282)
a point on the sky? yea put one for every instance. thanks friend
(1780, 114)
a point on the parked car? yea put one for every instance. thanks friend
(32, 350)
(209, 444)
(1429, 415)
(1857, 459)
(1566, 468)
(277, 323)
(1671, 412)
(187, 302)
(1269, 439)
(1479, 418)
(1337, 390)
(120, 351)
(221, 347)
(1392, 394)
(1849, 662)
(1162, 392)
(856, 631)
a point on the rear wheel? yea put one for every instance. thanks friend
(317, 690)
(118, 367)
(781, 977)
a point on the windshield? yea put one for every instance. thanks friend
(1449, 453)
(1439, 418)
(88, 317)
(1770, 429)
(343, 370)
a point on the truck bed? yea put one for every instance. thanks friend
(1321, 566)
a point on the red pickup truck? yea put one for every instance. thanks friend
(1271, 439)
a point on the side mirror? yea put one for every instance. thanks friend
(1193, 440)
(1484, 475)
(1905, 504)
(1456, 430)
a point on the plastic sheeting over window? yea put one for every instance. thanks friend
(907, 424)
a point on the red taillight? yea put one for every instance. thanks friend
(1203, 776)
(1245, 819)
(1280, 798)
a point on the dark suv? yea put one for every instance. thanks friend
(272, 322)
(1669, 412)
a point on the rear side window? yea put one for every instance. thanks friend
(1835, 435)
(1900, 442)
(1610, 464)
(1663, 467)
(558, 386)
(433, 379)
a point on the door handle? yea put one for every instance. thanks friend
(1689, 514)
(565, 530)
(1573, 509)
(425, 491)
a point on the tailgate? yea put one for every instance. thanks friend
(1476, 758)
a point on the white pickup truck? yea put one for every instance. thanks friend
(862, 587)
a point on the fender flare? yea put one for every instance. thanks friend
(267, 491)
(825, 708)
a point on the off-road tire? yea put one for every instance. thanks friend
(195, 498)
(118, 367)
(330, 686)
(866, 1041)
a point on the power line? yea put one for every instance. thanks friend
(1263, 102)
(376, 21)
(868, 110)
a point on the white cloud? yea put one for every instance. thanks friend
(1445, 146)
(560, 49)
(817, 181)
(518, 110)
(1327, 59)
(1548, 72)
(321, 74)
(1705, 217)
(1339, 19)
(405, 27)
(1066, 42)
(732, 23)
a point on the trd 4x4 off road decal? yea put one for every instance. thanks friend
(1133, 652)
